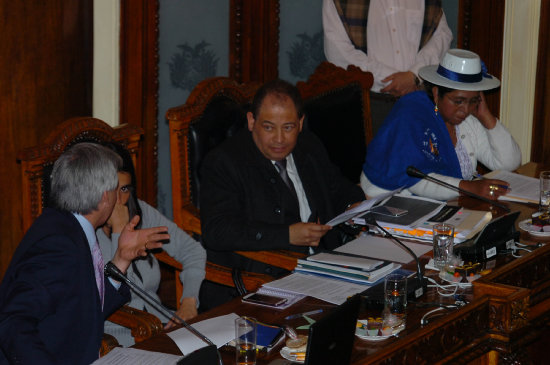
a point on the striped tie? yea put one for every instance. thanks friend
(98, 269)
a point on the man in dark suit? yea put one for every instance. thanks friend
(251, 201)
(54, 297)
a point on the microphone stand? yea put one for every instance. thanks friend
(418, 291)
(111, 270)
(414, 172)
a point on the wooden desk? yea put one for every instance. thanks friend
(506, 319)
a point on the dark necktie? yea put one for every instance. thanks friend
(281, 166)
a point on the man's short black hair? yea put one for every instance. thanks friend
(277, 87)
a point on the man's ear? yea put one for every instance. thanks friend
(301, 122)
(251, 120)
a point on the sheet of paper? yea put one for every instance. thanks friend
(329, 290)
(359, 209)
(384, 248)
(129, 356)
(524, 188)
(220, 330)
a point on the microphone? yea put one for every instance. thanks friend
(111, 270)
(414, 172)
(421, 284)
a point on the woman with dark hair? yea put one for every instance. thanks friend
(145, 271)
(443, 131)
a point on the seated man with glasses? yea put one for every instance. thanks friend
(442, 131)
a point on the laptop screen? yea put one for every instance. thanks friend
(331, 338)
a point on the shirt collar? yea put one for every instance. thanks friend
(87, 227)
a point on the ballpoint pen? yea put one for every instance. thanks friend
(505, 187)
(293, 316)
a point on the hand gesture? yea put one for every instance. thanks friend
(135, 242)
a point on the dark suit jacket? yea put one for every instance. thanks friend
(50, 310)
(245, 204)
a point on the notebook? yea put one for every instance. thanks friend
(331, 338)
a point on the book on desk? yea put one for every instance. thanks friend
(354, 268)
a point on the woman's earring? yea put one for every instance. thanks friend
(436, 109)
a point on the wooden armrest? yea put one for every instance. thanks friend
(142, 324)
(107, 344)
(223, 275)
(190, 219)
(280, 258)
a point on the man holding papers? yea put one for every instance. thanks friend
(271, 187)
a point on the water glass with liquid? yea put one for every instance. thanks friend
(443, 237)
(395, 294)
(544, 202)
(245, 340)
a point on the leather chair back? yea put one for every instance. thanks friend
(337, 108)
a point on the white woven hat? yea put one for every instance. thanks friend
(461, 70)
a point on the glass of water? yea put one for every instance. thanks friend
(443, 237)
(245, 340)
(395, 294)
(544, 202)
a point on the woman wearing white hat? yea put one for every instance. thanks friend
(443, 132)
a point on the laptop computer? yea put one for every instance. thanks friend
(331, 338)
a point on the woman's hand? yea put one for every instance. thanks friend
(483, 113)
(119, 218)
(187, 310)
(487, 188)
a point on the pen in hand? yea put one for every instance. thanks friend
(294, 316)
(505, 187)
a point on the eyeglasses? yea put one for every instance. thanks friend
(460, 101)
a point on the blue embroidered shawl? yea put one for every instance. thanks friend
(412, 135)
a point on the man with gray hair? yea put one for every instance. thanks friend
(54, 297)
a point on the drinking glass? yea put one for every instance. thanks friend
(443, 234)
(395, 294)
(245, 340)
(544, 202)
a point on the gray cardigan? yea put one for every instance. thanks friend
(181, 247)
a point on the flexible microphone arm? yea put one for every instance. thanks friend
(113, 271)
(372, 221)
(414, 172)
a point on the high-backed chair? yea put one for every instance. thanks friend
(337, 109)
(214, 111)
(36, 166)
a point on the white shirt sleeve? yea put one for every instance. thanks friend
(435, 49)
(340, 51)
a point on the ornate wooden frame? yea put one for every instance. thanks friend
(34, 159)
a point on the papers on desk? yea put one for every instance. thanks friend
(423, 213)
(361, 208)
(129, 356)
(220, 330)
(525, 189)
(329, 290)
(383, 248)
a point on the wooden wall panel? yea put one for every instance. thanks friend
(139, 84)
(540, 145)
(481, 30)
(45, 78)
(254, 40)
